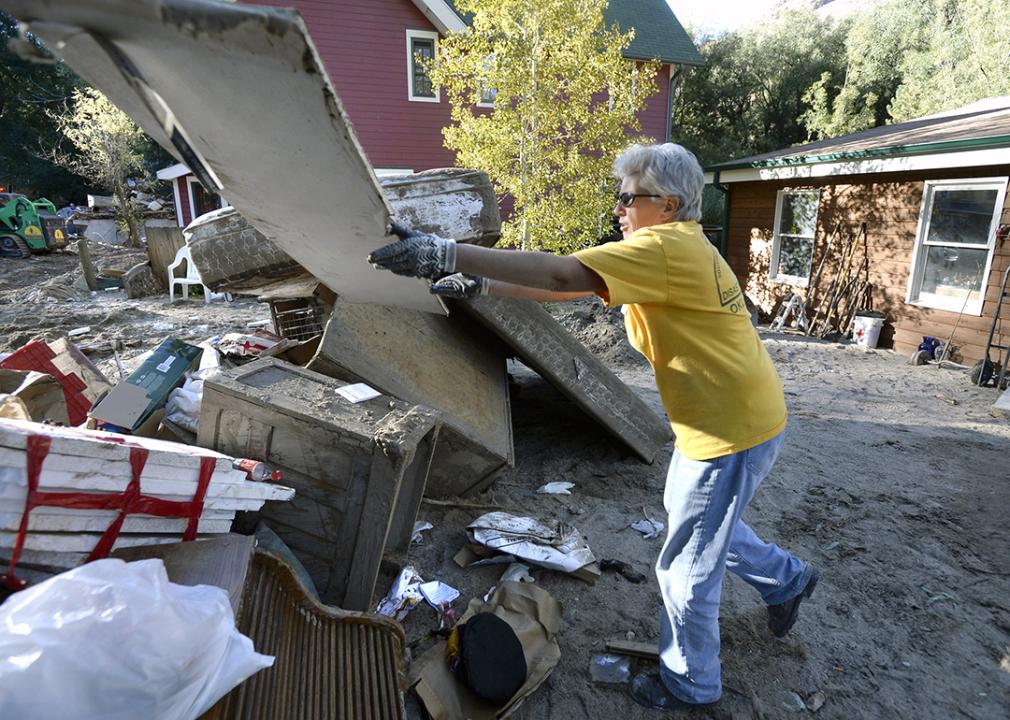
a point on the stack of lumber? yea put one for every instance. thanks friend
(92, 462)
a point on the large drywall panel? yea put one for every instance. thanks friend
(239, 94)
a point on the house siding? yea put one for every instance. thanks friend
(364, 49)
(363, 46)
(654, 116)
(889, 204)
(186, 210)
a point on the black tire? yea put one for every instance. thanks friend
(981, 372)
(14, 246)
(921, 357)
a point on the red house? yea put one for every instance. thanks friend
(369, 47)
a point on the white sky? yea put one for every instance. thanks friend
(714, 16)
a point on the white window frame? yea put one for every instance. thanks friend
(480, 95)
(190, 179)
(913, 294)
(426, 35)
(773, 273)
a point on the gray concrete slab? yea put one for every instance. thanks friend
(545, 346)
(452, 365)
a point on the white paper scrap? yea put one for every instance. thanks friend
(419, 527)
(556, 488)
(438, 593)
(648, 527)
(359, 392)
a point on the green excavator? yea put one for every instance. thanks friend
(28, 227)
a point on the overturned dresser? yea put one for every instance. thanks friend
(359, 468)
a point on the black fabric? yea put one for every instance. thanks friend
(492, 661)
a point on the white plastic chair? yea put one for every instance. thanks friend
(192, 276)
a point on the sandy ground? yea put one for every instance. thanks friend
(900, 498)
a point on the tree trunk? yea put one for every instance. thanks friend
(125, 209)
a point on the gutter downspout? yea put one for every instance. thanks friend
(724, 235)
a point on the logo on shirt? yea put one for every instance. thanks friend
(728, 287)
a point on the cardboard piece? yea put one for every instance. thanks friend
(534, 615)
(40, 395)
(132, 402)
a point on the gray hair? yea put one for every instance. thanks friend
(667, 169)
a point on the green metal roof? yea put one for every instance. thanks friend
(658, 33)
(983, 125)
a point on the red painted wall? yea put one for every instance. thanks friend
(364, 48)
(653, 117)
(363, 44)
(183, 189)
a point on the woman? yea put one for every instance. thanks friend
(685, 312)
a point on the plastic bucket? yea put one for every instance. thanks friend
(866, 329)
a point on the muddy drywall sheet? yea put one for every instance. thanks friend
(239, 94)
(544, 345)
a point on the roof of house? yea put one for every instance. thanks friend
(658, 33)
(981, 126)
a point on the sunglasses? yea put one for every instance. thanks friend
(626, 199)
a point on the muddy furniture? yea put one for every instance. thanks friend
(330, 664)
(359, 469)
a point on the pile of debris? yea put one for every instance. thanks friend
(369, 394)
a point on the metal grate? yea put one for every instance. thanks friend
(300, 319)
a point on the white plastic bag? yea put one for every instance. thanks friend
(118, 641)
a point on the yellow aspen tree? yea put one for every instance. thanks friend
(542, 100)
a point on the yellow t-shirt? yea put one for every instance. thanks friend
(685, 312)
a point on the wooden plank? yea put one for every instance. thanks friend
(223, 562)
(108, 446)
(99, 482)
(75, 463)
(11, 501)
(80, 542)
(98, 521)
(648, 651)
(162, 245)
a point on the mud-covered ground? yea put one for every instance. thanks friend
(900, 498)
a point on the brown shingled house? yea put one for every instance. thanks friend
(933, 195)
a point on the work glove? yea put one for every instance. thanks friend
(416, 254)
(460, 286)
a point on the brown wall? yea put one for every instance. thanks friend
(889, 205)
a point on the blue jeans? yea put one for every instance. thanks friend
(704, 500)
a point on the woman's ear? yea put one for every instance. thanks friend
(670, 207)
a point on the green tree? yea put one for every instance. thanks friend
(910, 58)
(963, 56)
(30, 93)
(109, 151)
(750, 97)
(565, 101)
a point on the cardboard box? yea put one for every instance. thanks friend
(128, 405)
